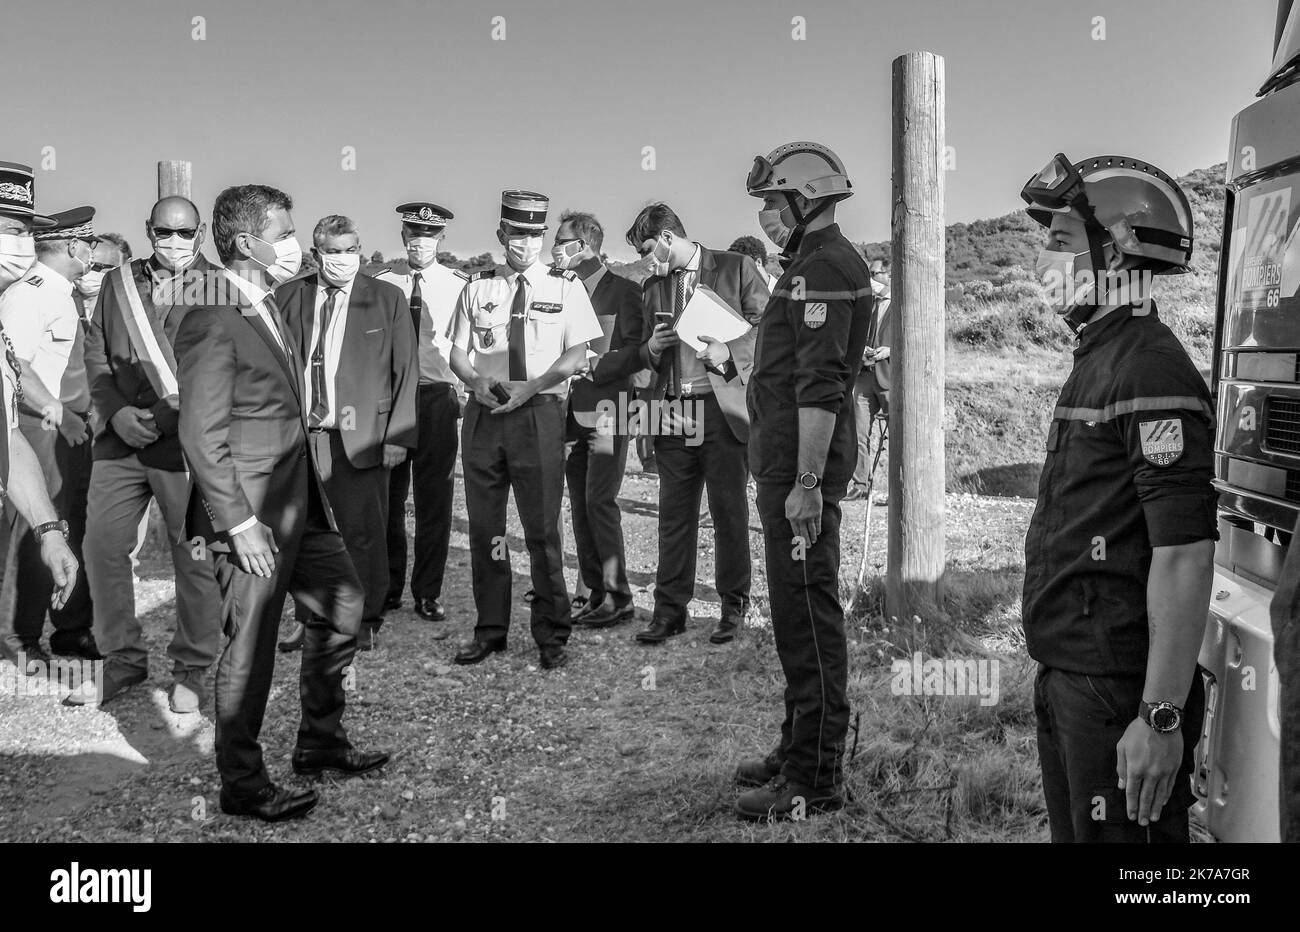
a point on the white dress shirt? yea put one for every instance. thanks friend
(333, 347)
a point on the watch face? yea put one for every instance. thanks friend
(1164, 719)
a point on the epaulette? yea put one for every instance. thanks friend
(563, 273)
(482, 273)
(34, 280)
(380, 271)
(459, 274)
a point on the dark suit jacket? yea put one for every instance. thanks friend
(242, 426)
(378, 366)
(735, 279)
(117, 379)
(617, 303)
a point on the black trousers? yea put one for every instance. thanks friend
(523, 451)
(719, 462)
(808, 625)
(1080, 721)
(433, 464)
(314, 567)
(594, 470)
(67, 476)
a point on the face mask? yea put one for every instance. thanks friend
(288, 259)
(17, 254)
(877, 288)
(422, 251)
(774, 227)
(340, 268)
(563, 257)
(175, 252)
(522, 251)
(657, 265)
(90, 283)
(1056, 273)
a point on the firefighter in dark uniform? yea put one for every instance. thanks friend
(803, 448)
(517, 337)
(1119, 553)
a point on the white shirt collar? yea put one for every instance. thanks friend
(323, 283)
(694, 264)
(255, 293)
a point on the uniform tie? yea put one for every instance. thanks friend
(320, 400)
(674, 386)
(518, 330)
(417, 300)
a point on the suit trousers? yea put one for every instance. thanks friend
(313, 565)
(120, 490)
(433, 466)
(523, 451)
(595, 476)
(359, 498)
(866, 405)
(67, 476)
(720, 463)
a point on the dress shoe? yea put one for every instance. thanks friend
(271, 803)
(368, 634)
(780, 798)
(115, 678)
(758, 770)
(660, 630)
(348, 762)
(606, 616)
(32, 659)
(727, 628)
(394, 602)
(478, 651)
(584, 607)
(187, 694)
(554, 657)
(75, 644)
(430, 610)
(856, 493)
(294, 641)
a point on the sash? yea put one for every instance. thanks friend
(147, 338)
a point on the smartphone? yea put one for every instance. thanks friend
(500, 394)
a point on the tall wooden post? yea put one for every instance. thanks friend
(174, 179)
(916, 460)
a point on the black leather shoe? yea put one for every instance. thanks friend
(294, 641)
(75, 644)
(758, 770)
(606, 616)
(582, 608)
(478, 651)
(430, 610)
(346, 761)
(554, 657)
(660, 630)
(393, 602)
(781, 799)
(271, 804)
(727, 628)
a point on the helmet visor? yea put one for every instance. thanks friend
(1056, 186)
(760, 174)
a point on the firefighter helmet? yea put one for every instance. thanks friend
(806, 168)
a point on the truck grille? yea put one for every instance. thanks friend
(1282, 432)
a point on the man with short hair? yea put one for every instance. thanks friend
(138, 459)
(111, 251)
(356, 337)
(752, 247)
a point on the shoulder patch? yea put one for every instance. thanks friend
(814, 314)
(34, 280)
(1162, 440)
(566, 274)
(459, 274)
(482, 273)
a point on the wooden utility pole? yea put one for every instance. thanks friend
(916, 460)
(174, 179)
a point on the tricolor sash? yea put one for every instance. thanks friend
(147, 338)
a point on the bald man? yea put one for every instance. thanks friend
(138, 457)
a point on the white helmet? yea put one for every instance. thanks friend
(806, 168)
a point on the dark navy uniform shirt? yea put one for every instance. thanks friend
(807, 355)
(1129, 468)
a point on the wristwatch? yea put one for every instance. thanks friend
(1163, 717)
(42, 529)
(809, 480)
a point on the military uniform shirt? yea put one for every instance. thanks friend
(1129, 468)
(439, 289)
(42, 320)
(559, 317)
(807, 354)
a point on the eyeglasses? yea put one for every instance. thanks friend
(571, 239)
(183, 233)
(102, 266)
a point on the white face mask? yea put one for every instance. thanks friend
(1056, 273)
(657, 265)
(565, 255)
(522, 251)
(17, 254)
(175, 252)
(422, 251)
(339, 268)
(774, 227)
(90, 283)
(288, 259)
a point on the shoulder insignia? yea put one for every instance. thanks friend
(1162, 440)
(459, 274)
(382, 270)
(566, 274)
(481, 274)
(814, 314)
(34, 280)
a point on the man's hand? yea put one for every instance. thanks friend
(877, 354)
(393, 455)
(519, 393)
(1147, 762)
(803, 509)
(664, 337)
(71, 426)
(61, 563)
(482, 389)
(255, 550)
(135, 426)
(715, 352)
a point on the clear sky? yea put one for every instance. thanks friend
(438, 109)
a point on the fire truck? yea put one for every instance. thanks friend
(1255, 377)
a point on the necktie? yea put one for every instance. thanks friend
(674, 385)
(518, 321)
(417, 301)
(319, 390)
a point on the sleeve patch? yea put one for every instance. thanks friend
(814, 314)
(1162, 440)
